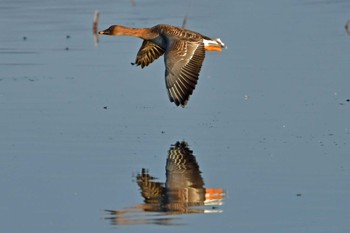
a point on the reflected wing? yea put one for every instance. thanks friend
(182, 169)
(151, 190)
(148, 52)
(183, 62)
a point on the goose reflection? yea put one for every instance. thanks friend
(182, 193)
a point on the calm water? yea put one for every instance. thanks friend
(268, 122)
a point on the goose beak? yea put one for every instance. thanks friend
(105, 32)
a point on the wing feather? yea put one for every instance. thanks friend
(183, 61)
(148, 52)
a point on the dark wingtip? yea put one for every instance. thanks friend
(138, 64)
(180, 103)
(183, 104)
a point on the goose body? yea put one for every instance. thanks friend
(183, 50)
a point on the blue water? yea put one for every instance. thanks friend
(268, 121)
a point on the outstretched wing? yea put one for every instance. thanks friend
(183, 62)
(148, 52)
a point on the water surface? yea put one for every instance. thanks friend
(268, 122)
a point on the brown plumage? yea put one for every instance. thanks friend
(184, 53)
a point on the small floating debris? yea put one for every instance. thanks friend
(347, 27)
(95, 27)
(347, 100)
(95, 22)
(24, 38)
(298, 195)
(67, 36)
(104, 107)
(184, 21)
(66, 48)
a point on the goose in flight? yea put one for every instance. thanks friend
(183, 51)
